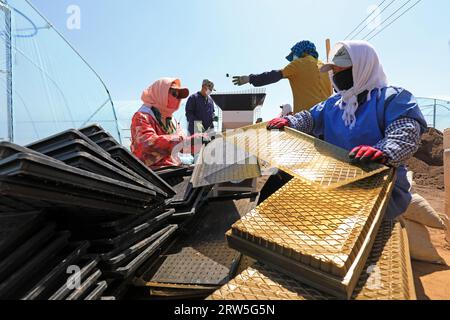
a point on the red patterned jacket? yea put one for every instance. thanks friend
(151, 143)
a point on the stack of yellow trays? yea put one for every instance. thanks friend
(387, 275)
(320, 237)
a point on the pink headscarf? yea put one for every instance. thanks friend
(157, 95)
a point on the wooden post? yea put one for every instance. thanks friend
(447, 180)
(328, 45)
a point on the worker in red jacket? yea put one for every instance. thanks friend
(156, 139)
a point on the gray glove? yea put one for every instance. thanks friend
(240, 81)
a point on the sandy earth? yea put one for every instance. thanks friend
(433, 281)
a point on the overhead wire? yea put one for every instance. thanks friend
(387, 26)
(356, 28)
(375, 17)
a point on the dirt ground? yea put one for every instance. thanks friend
(433, 281)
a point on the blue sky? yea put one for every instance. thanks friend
(132, 43)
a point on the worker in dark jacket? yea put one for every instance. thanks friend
(200, 112)
(309, 85)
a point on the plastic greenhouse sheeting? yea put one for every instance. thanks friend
(53, 87)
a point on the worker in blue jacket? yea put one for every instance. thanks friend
(200, 111)
(372, 120)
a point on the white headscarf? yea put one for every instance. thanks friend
(368, 75)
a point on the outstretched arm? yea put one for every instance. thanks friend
(259, 80)
(266, 78)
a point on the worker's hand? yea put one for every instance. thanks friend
(240, 81)
(367, 154)
(204, 137)
(278, 124)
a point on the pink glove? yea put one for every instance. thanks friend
(278, 124)
(367, 154)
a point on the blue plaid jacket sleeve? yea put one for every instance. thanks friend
(401, 142)
(302, 121)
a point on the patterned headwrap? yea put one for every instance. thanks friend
(301, 48)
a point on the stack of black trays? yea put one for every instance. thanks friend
(188, 200)
(126, 159)
(175, 181)
(77, 222)
(38, 261)
(45, 181)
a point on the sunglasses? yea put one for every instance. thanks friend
(174, 93)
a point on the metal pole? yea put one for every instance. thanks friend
(9, 66)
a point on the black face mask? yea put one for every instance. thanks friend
(344, 79)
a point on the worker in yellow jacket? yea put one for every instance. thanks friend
(309, 85)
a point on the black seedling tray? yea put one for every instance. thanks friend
(33, 166)
(91, 129)
(61, 151)
(122, 155)
(113, 229)
(127, 244)
(10, 288)
(63, 142)
(104, 245)
(85, 161)
(101, 135)
(60, 138)
(117, 288)
(172, 172)
(8, 149)
(133, 266)
(183, 191)
(86, 286)
(4, 208)
(43, 289)
(131, 252)
(25, 250)
(107, 143)
(88, 267)
(67, 196)
(181, 214)
(15, 228)
(18, 205)
(97, 292)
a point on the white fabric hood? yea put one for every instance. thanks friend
(368, 75)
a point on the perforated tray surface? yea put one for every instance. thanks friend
(202, 257)
(387, 275)
(219, 163)
(321, 237)
(302, 156)
(206, 263)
